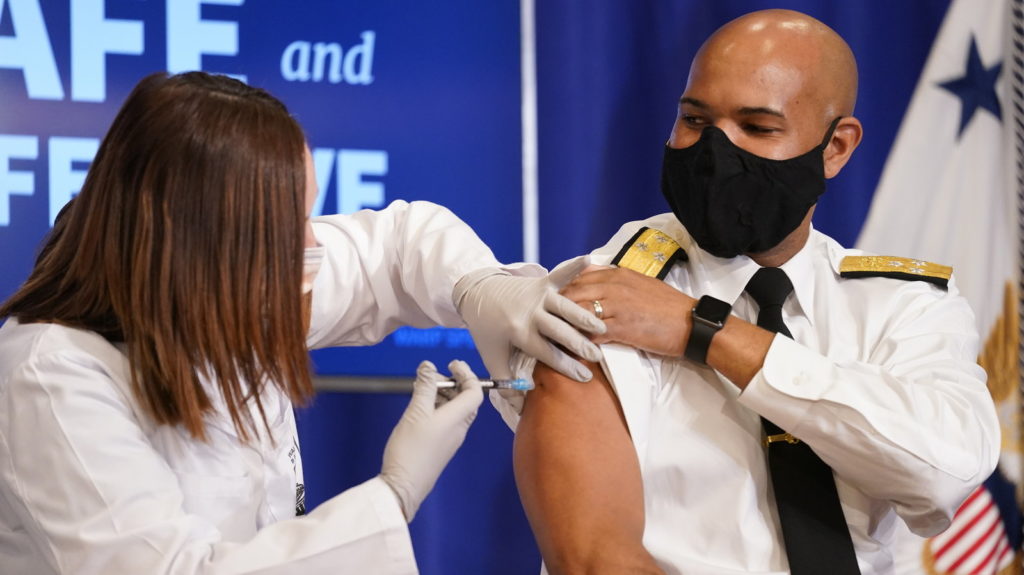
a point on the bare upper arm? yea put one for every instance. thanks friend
(579, 477)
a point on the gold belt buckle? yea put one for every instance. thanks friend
(787, 437)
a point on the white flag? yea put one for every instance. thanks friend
(948, 194)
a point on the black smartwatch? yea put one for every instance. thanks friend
(709, 316)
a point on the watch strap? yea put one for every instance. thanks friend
(700, 340)
(703, 329)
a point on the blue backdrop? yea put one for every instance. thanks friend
(428, 107)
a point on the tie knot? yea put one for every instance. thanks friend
(769, 287)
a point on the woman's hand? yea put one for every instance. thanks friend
(427, 437)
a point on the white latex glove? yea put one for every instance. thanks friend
(425, 439)
(505, 312)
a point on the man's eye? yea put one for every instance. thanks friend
(693, 121)
(756, 129)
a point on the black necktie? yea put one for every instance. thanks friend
(813, 526)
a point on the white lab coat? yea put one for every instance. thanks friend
(89, 485)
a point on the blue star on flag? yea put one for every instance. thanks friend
(976, 89)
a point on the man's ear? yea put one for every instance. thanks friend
(844, 141)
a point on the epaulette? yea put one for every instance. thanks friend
(895, 267)
(650, 252)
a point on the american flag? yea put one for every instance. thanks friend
(979, 541)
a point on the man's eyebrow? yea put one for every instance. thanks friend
(693, 102)
(745, 111)
(761, 110)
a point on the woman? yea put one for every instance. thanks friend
(150, 362)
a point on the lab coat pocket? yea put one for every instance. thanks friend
(228, 502)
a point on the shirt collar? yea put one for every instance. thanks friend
(725, 278)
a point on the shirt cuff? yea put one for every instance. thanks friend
(785, 387)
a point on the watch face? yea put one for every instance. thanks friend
(713, 309)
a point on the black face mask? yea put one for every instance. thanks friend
(733, 202)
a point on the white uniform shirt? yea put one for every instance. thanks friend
(89, 485)
(880, 380)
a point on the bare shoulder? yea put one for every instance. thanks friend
(585, 400)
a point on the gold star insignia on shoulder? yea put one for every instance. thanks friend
(895, 267)
(650, 252)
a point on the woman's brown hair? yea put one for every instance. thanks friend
(186, 244)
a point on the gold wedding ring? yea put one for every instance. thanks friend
(598, 309)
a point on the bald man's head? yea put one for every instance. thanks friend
(773, 81)
(779, 85)
(784, 38)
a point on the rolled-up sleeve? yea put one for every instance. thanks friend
(910, 420)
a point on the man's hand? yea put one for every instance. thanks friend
(505, 312)
(638, 310)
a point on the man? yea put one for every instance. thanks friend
(713, 445)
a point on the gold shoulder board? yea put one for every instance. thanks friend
(895, 267)
(650, 252)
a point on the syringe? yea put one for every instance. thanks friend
(516, 384)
